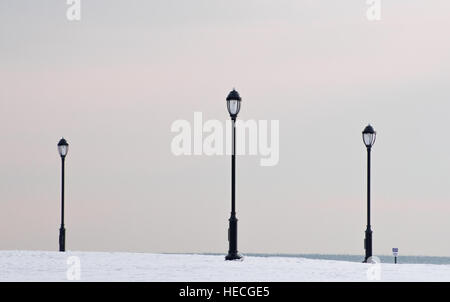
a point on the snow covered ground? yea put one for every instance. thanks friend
(93, 266)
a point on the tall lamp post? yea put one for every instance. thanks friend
(233, 105)
(369, 136)
(63, 147)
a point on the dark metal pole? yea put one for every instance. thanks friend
(368, 239)
(62, 230)
(233, 172)
(232, 231)
(395, 259)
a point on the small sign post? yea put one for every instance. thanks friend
(395, 253)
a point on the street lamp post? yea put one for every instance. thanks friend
(233, 105)
(63, 147)
(369, 136)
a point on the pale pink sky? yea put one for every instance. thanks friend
(113, 83)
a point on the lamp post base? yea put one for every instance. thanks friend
(232, 239)
(368, 244)
(62, 239)
(233, 256)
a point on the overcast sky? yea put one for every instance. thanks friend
(113, 83)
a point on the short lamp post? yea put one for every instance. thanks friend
(63, 147)
(233, 105)
(369, 136)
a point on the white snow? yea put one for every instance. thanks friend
(99, 266)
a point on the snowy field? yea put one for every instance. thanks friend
(54, 266)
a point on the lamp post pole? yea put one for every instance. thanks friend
(62, 230)
(63, 147)
(233, 104)
(368, 240)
